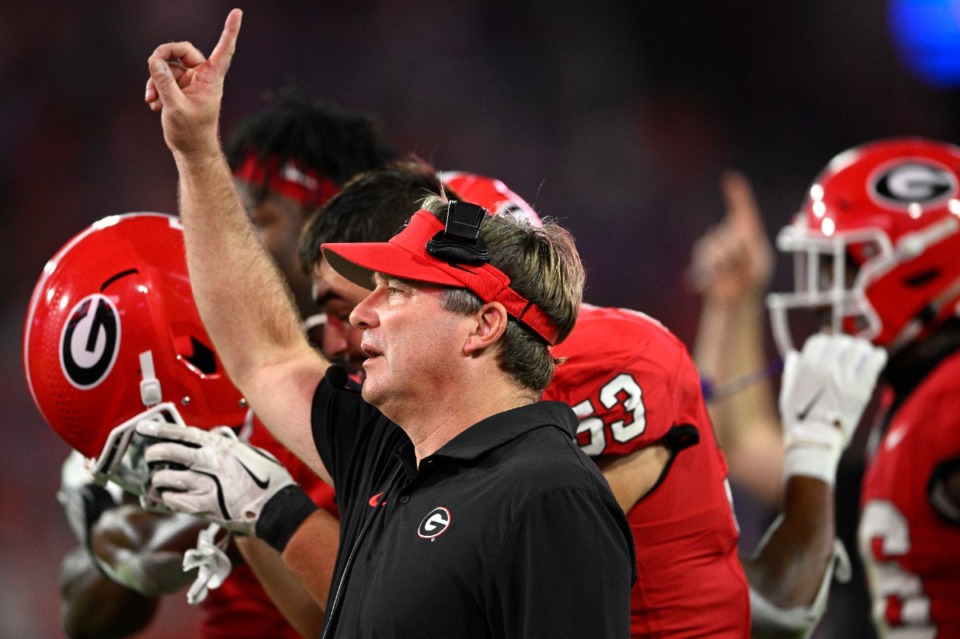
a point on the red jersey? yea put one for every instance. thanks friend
(633, 384)
(911, 553)
(240, 607)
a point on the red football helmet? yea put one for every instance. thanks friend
(877, 242)
(112, 336)
(490, 193)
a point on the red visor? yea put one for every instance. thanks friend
(405, 256)
(291, 179)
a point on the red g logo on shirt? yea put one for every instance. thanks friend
(434, 524)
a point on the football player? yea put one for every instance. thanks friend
(790, 571)
(876, 249)
(112, 336)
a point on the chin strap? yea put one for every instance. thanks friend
(150, 393)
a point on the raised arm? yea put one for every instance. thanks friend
(243, 300)
(731, 267)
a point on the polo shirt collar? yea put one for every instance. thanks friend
(498, 429)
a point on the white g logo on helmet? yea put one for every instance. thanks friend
(913, 181)
(90, 341)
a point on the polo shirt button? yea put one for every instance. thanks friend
(404, 499)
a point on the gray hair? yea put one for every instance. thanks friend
(544, 267)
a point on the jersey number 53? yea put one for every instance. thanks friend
(624, 391)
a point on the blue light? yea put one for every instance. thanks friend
(927, 35)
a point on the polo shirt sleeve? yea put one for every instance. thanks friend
(565, 570)
(355, 440)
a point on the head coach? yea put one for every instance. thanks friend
(467, 509)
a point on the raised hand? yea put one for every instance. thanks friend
(187, 89)
(824, 391)
(733, 259)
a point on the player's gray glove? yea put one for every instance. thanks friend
(824, 391)
(211, 474)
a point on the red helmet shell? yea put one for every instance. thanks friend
(116, 290)
(898, 186)
(490, 193)
(890, 210)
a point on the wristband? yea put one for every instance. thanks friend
(813, 450)
(282, 515)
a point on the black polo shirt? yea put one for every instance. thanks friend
(508, 530)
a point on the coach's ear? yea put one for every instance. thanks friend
(490, 325)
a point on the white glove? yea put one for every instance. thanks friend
(214, 476)
(824, 391)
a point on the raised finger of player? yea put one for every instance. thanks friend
(742, 210)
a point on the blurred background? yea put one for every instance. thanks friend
(618, 118)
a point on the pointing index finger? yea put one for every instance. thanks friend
(223, 53)
(742, 210)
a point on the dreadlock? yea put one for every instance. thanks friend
(320, 135)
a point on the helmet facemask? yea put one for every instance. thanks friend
(874, 289)
(121, 460)
(830, 282)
